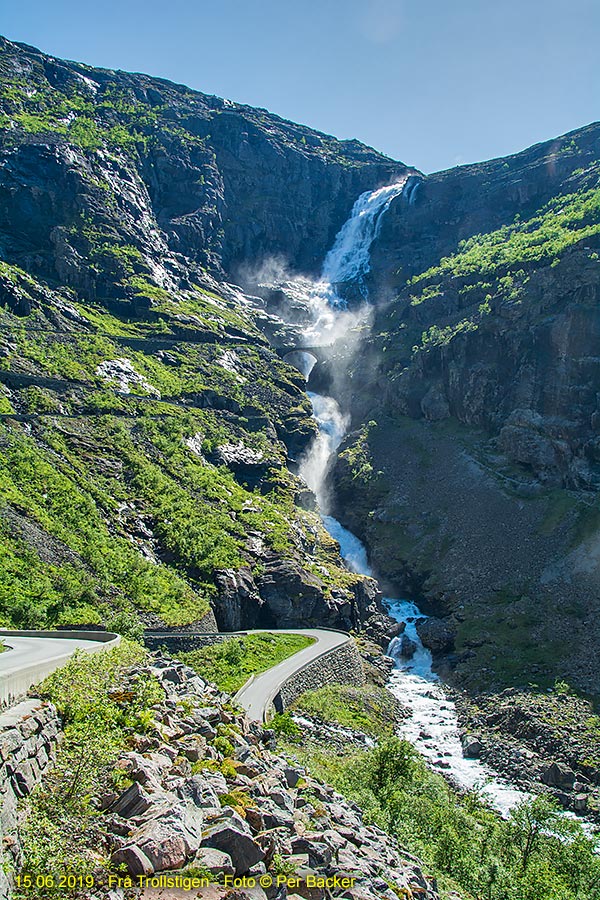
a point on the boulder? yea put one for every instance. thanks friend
(405, 647)
(524, 439)
(198, 791)
(436, 634)
(132, 802)
(275, 816)
(231, 835)
(171, 838)
(292, 776)
(471, 747)
(281, 798)
(560, 776)
(434, 405)
(134, 860)
(216, 861)
(319, 853)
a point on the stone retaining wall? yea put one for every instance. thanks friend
(340, 666)
(180, 642)
(29, 735)
(183, 639)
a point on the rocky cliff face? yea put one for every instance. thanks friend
(225, 185)
(477, 473)
(439, 211)
(147, 426)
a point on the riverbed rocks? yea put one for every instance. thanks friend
(471, 746)
(406, 647)
(240, 805)
(544, 742)
(559, 776)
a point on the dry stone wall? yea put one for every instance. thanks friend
(340, 666)
(29, 736)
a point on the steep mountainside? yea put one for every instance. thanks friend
(223, 184)
(146, 424)
(478, 472)
(149, 425)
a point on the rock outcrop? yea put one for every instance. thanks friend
(224, 185)
(234, 811)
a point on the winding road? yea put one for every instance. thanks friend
(257, 695)
(35, 654)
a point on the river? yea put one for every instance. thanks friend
(432, 725)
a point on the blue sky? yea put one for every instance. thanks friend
(431, 83)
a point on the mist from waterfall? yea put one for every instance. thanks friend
(326, 318)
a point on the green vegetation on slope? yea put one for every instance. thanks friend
(536, 854)
(564, 221)
(369, 709)
(114, 494)
(487, 272)
(231, 663)
(60, 832)
(34, 592)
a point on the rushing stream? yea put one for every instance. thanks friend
(433, 725)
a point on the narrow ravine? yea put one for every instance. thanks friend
(433, 724)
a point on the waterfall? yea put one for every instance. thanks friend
(317, 307)
(433, 724)
(348, 260)
(332, 428)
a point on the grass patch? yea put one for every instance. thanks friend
(559, 505)
(369, 709)
(230, 664)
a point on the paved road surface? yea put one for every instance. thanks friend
(256, 696)
(32, 658)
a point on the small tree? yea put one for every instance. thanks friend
(529, 822)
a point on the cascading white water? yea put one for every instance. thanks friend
(433, 724)
(332, 428)
(348, 259)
